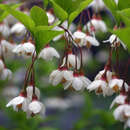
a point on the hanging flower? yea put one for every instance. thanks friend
(7, 47)
(48, 53)
(119, 100)
(96, 24)
(25, 49)
(51, 17)
(115, 41)
(6, 74)
(100, 84)
(71, 61)
(115, 83)
(35, 107)
(122, 113)
(90, 41)
(79, 37)
(4, 30)
(78, 82)
(19, 102)
(29, 90)
(61, 75)
(18, 29)
(98, 5)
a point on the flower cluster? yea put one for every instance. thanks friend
(17, 41)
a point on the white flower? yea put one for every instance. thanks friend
(1, 65)
(28, 48)
(18, 29)
(4, 29)
(97, 5)
(79, 37)
(35, 107)
(100, 87)
(60, 76)
(89, 40)
(10, 20)
(29, 90)
(98, 25)
(19, 102)
(6, 74)
(115, 41)
(48, 53)
(7, 47)
(25, 49)
(71, 61)
(115, 84)
(108, 75)
(122, 112)
(51, 17)
(85, 80)
(78, 82)
(119, 100)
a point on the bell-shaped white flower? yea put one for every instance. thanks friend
(79, 37)
(4, 30)
(90, 41)
(7, 47)
(6, 74)
(78, 82)
(97, 5)
(122, 112)
(36, 107)
(48, 53)
(1, 65)
(10, 20)
(100, 86)
(97, 24)
(115, 83)
(60, 76)
(25, 49)
(28, 48)
(115, 41)
(85, 80)
(29, 90)
(18, 29)
(119, 100)
(19, 102)
(71, 61)
(108, 75)
(51, 17)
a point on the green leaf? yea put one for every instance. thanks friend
(69, 5)
(5, 13)
(113, 8)
(23, 18)
(126, 12)
(124, 35)
(43, 36)
(59, 12)
(123, 4)
(45, 3)
(47, 27)
(125, 19)
(39, 16)
(82, 5)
